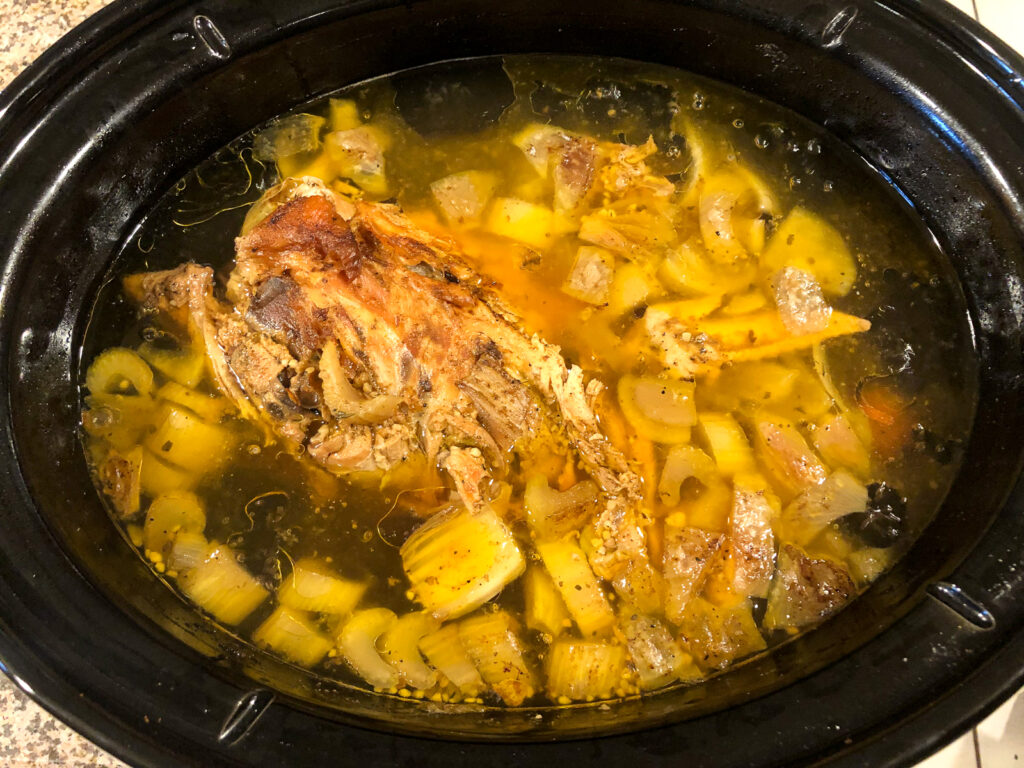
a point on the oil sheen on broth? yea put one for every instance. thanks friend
(541, 380)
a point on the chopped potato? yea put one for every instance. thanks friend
(523, 221)
(463, 196)
(659, 409)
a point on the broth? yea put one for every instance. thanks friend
(786, 370)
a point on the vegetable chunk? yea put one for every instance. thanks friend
(458, 560)
(293, 635)
(222, 587)
(492, 641)
(584, 670)
(314, 586)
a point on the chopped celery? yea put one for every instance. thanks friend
(168, 514)
(492, 641)
(212, 408)
(188, 551)
(222, 587)
(458, 560)
(185, 366)
(293, 635)
(444, 650)
(580, 589)
(545, 608)
(119, 371)
(186, 441)
(314, 586)
(121, 420)
(400, 647)
(357, 642)
(583, 670)
(661, 410)
(553, 514)
(727, 443)
(682, 463)
(159, 477)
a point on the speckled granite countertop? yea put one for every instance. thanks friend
(29, 736)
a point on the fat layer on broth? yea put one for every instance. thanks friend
(771, 384)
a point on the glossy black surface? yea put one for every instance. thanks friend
(97, 130)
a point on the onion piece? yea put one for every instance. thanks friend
(841, 494)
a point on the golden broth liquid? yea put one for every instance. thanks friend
(899, 395)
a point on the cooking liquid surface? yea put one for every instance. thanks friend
(904, 387)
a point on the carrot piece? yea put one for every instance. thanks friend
(889, 413)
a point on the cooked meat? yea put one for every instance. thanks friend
(752, 542)
(805, 590)
(688, 557)
(361, 339)
(574, 173)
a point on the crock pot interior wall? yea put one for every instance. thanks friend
(92, 145)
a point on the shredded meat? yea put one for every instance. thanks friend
(352, 335)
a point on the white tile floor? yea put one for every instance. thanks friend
(997, 742)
